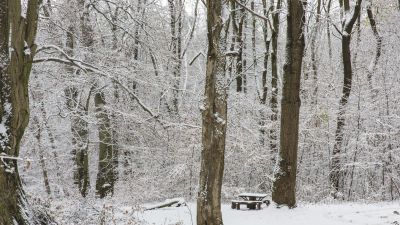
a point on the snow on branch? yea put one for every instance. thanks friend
(91, 68)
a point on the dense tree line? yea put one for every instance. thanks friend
(135, 100)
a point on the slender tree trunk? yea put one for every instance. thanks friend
(264, 85)
(253, 39)
(214, 120)
(42, 160)
(328, 33)
(15, 68)
(347, 28)
(240, 59)
(53, 148)
(176, 8)
(314, 49)
(234, 35)
(79, 127)
(140, 10)
(378, 38)
(274, 79)
(80, 139)
(284, 185)
(264, 90)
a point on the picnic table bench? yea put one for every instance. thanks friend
(251, 200)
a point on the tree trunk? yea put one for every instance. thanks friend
(314, 49)
(347, 28)
(233, 21)
(42, 160)
(79, 128)
(176, 8)
(240, 77)
(15, 68)
(214, 120)
(80, 139)
(107, 170)
(274, 78)
(328, 33)
(264, 86)
(378, 38)
(284, 186)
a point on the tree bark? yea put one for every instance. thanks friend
(347, 27)
(274, 79)
(176, 8)
(264, 86)
(80, 139)
(79, 127)
(15, 68)
(240, 77)
(314, 49)
(214, 120)
(42, 160)
(378, 38)
(107, 169)
(284, 185)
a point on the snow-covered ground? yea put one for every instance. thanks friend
(304, 214)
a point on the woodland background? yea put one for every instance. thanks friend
(123, 80)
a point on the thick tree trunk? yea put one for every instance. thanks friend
(15, 68)
(347, 27)
(284, 186)
(214, 121)
(107, 170)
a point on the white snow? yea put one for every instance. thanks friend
(27, 50)
(304, 214)
(218, 119)
(3, 128)
(180, 201)
(259, 195)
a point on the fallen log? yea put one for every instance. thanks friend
(175, 202)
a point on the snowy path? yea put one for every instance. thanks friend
(319, 214)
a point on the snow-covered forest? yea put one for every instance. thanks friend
(109, 107)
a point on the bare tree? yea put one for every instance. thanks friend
(108, 158)
(284, 185)
(274, 68)
(349, 18)
(214, 120)
(378, 38)
(17, 33)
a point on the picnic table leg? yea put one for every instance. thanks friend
(237, 206)
(251, 206)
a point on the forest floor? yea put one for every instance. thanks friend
(305, 214)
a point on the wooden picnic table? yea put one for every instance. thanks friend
(251, 200)
(252, 196)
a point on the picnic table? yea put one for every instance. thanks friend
(251, 200)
